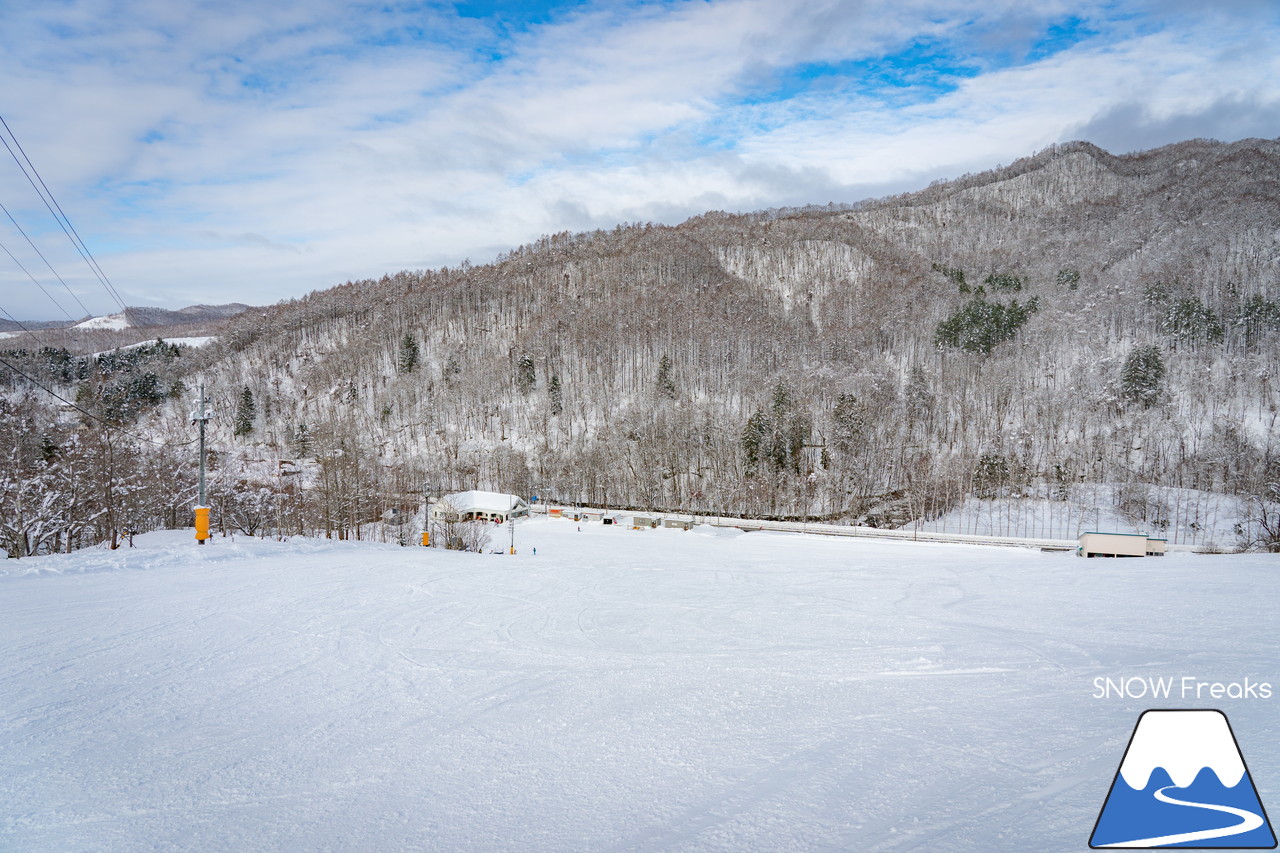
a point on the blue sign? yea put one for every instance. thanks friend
(1183, 783)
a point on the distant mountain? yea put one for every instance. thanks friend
(35, 325)
(137, 318)
(149, 317)
(1075, 317)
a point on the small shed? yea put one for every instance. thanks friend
(1156, 547)
(641, 522)
(1096, 544)
(676, 524)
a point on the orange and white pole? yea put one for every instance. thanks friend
(201, 416)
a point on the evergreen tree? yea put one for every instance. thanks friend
(666, 385)
(991, 476)
(303, 442)
(1190, 321)
(920, 399)
(1003, 281)
(1142, 374)
(408, 353)
(526, 374)
(129, 396)
(955, 274)
(452, 370)
(246, 413)
(1157, 293)
(848, 423)
(1256, 316)
(753, 439)
(555, 396)
(980, 325)
(776, 435)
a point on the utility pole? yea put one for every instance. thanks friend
(201, 416)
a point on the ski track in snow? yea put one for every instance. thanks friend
(622, 690)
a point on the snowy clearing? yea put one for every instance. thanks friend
(110, 321)
(198, 341)
(619, 690)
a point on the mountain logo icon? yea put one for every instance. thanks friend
(1183, 783)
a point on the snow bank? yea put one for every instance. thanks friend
(717, 532)
(168, 548)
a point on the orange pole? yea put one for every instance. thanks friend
(202, 524)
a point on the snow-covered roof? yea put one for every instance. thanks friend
(483, 501)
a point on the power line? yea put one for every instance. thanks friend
(90, 414)
(21, 325)
(87, 312)
(75, 241)
(78, 243)
(75, 406)
(38, 284)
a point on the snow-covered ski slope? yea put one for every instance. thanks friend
(619, 690)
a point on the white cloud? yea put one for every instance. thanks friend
(195, 142)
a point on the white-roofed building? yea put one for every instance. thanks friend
(479, 506)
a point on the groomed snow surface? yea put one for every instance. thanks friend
(619, 690)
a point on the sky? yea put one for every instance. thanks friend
(213, 152)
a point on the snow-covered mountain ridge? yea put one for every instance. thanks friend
(1112, 319)
(1073, 328)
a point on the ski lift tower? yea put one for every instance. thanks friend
(201, 415)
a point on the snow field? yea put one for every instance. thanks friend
(620, 690)
(197, 341)
(110, 321)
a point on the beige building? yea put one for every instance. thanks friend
(1095, 544)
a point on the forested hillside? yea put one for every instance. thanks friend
(1073, 318)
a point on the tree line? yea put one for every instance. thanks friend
(1029, 331)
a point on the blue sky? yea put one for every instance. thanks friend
(234, 151)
